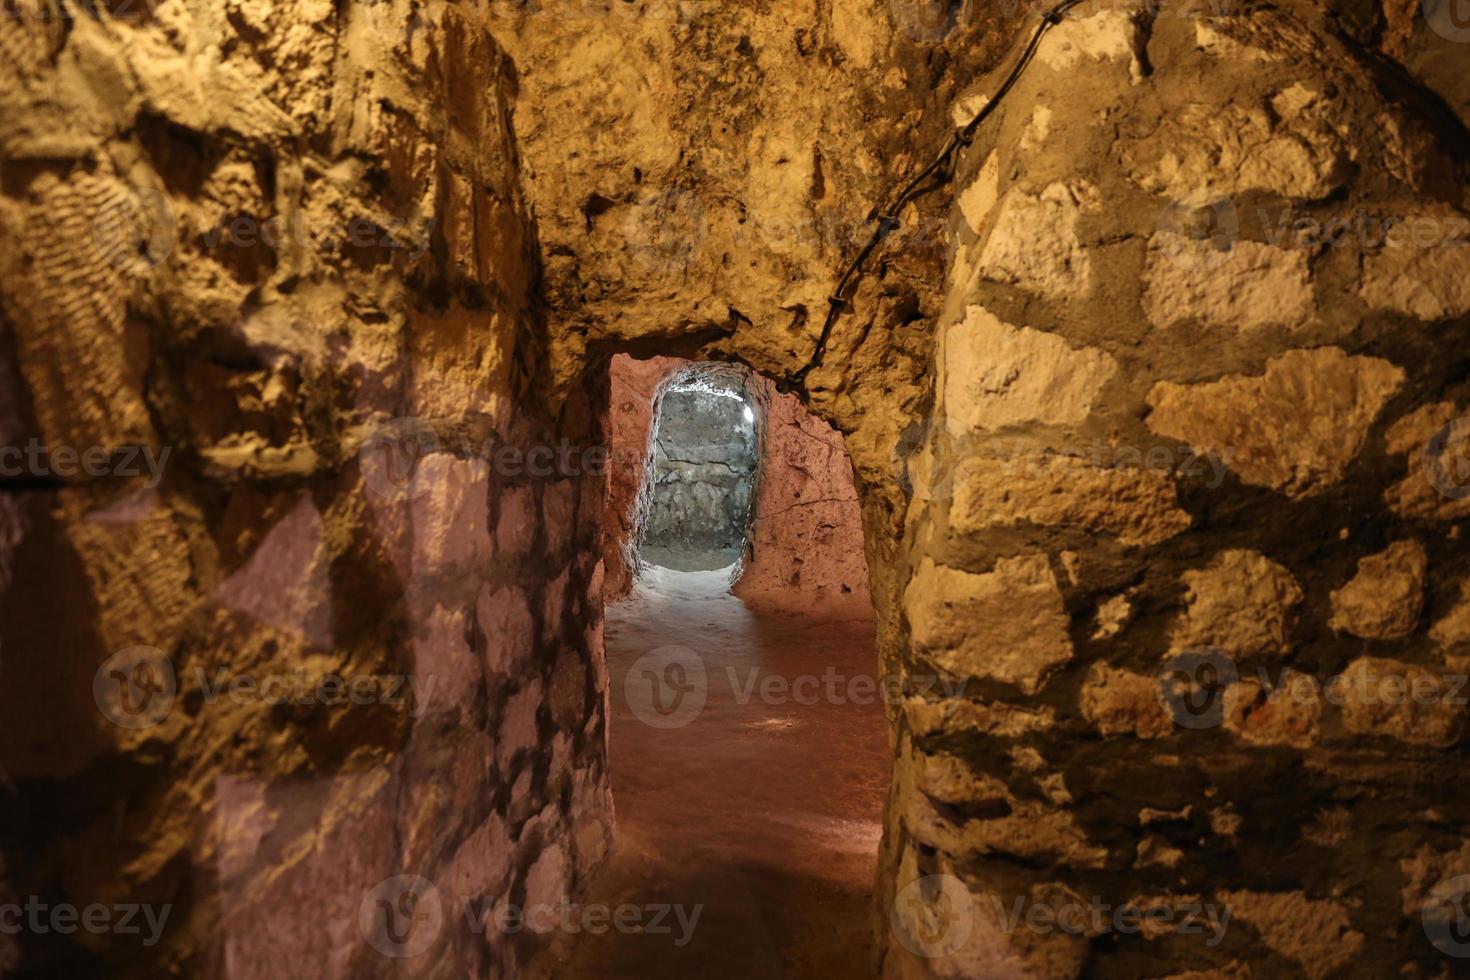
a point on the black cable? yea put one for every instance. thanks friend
(887, 218)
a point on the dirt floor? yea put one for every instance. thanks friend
(764, 816)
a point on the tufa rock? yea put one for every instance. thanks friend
(1293, 428)
(1007, 625)
(1383, 600)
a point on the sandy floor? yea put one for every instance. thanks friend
(763, 815)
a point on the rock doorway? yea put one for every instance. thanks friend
(791, 531)
(748, 746)
(703, 477)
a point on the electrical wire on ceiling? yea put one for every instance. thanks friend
(887, 218)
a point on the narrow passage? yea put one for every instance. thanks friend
(761, 813)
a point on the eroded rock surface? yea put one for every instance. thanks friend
(1294, 428)
(1242, 602)
(1262, 433)
(1383, 599)
(969, 624)
(997, 375)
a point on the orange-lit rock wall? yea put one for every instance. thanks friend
(338, 621)
(1157, 389)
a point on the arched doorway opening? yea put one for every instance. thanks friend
(702, 475)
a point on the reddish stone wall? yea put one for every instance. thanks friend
(805, 546)
(635, 389)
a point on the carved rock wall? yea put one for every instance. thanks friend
(805, 545)
(1185, 518)
(341, 628)
(1162, 387)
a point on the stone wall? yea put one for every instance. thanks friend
(805, 545)
(283, 249)
(1186, 517)
(634, 387)
(704, 465)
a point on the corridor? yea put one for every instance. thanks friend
(759, 815)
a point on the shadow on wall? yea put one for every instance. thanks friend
(803, 540)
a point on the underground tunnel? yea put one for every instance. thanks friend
(879, 488)
(742, 639)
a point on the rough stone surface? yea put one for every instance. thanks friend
(996, 375)
(1294, 428)
(285, 583)
(1249, 288)
(1120, 702)
(1034, 242)
(1006, 625)
(697, 174)
(1138, 507)
(977, 201)
(1428, 867)
(289, 245)
(1112, 616)
(1288, 146)
(988, 717)
(992, 947)
(1391, 699)
(1288, 714)
(1111, 35)
(629, 428)
(704, 466)
(1435, 442)
(1239, 334)
(505, 619)
(1028, 830)
(1423, 267)
(805, 544)
(1383, 599)
(1241, 602)
(1451, 632)
(1315, 934)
